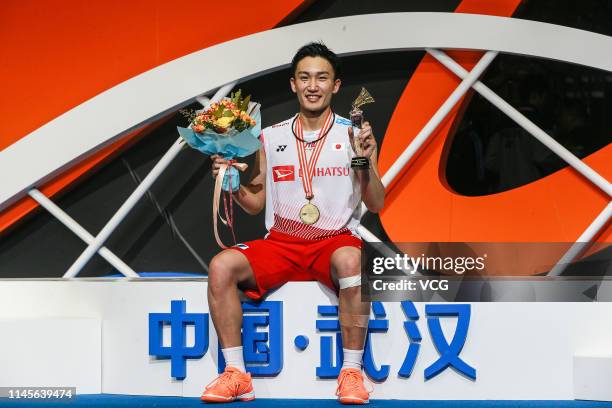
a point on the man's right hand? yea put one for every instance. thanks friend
(217, 161)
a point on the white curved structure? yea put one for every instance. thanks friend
(80, 131)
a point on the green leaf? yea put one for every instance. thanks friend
(228, 114)
(219, 111)
(245, 103)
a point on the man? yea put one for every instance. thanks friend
(312, 199)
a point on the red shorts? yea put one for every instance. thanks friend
(281, 258)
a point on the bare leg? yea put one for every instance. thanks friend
(346, 262)
(228, 270)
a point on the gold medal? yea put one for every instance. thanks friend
(309, 214)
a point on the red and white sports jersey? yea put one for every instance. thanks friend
(336, 190)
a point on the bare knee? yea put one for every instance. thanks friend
(346, 262)
(229, 269)
(222, 272)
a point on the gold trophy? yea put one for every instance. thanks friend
(359, 162)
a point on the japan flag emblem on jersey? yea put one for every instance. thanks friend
(338, 147)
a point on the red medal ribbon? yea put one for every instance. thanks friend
(308, 166)
(229, 212)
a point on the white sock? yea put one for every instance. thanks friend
(352, 358)
(233, 357)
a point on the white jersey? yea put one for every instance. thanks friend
(336, 189)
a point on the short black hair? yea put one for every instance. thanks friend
(316, 49)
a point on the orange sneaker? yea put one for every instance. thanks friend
(230, 386)
(351, 389)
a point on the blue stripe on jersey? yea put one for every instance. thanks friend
(342, 121)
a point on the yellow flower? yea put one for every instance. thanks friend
(224, 122)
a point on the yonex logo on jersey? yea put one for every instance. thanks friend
(283, 173)
(281, 148)
(242, 246)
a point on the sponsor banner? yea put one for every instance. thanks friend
(158, 339)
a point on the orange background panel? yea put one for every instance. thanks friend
(60, 53)
(421, 208)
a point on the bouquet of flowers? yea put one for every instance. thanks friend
(229, 128)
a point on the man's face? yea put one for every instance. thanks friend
(314, 83)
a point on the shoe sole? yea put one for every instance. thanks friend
(353, 401)
(249, 396)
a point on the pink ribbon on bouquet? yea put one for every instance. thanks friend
(229, 213)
